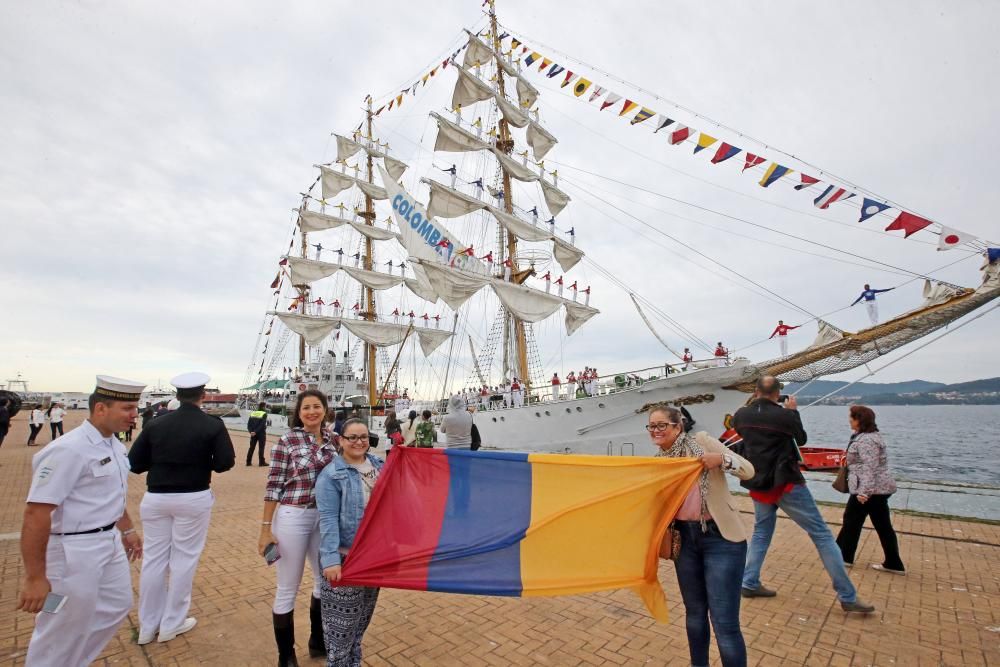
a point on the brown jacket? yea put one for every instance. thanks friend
(720, 502)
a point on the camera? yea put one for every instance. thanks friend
(782, 398)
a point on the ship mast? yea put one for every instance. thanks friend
(368, 294)
(505, 143)
(303, 290)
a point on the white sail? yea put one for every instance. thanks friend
(515, 168)
(311, 221)
(420, 285)
(826, 334)
(312, 328)
(526, 92)
(431, 339)
(527, 304)
(454, 286)
(540, 140)
(555, 198)
(935, 293)
(524, 231)
(303, 271)
(453, 138)
(394, 167)
(346, 148)
(372, 190)
(334, 182)
(448, 203)
(511, 113)
(577, 315)
(469, 89)
(380, 334)
(477, 52)
(565, 253)
(375, 280)
(374, 233)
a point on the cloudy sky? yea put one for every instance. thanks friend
(152, 153)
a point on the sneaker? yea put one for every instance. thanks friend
(145, 638)
(758, 592)
(858, 607)
(188, 623)
(848, 565)
(883, 568)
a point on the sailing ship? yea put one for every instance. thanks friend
(362, 238)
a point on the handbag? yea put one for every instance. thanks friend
(840, 481)
(670, 547)
(477, 440)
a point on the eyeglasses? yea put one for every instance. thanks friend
(662, 426)
(354, 438)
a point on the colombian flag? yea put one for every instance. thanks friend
(517, 524)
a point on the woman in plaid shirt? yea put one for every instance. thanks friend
(291, 519)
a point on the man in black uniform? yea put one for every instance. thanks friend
(772, 431)
(180, 451)
(257, 427)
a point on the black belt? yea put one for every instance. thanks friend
(92, 531)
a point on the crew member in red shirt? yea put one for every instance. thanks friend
(781, 331)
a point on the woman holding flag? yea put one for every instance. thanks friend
(713, 540)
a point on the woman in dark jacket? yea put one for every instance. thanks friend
(870, 484)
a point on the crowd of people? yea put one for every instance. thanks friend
(78, 536)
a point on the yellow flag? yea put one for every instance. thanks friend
(628, 106)
(581, 86)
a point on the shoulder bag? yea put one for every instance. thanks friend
(840, 481)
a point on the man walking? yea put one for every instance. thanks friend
(180, 451)
(4, 419)
(868, 294)
(77, 537)
(257, 427)
(771, 437)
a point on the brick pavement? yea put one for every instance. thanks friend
(946, 611)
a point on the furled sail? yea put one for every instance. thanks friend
(577, 315)
(555, 198)
(477, 52)
(826, 334)
(304, 270)
(375, 280)
(540, 140)
(522, 230)
(527, 304)
(346, 148)
(453, 138)
(469, 89)
(431, 339)
(312, 328)
(334, 182)
(422, 288)
(565, 253)
(376, 191)
(394, 167)
(374, 233)
(448, 203)
(384, 334)
(526, 92)
(511, 113)
(454, 286)
(515, 168)
(311, 221)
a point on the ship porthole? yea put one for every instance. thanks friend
(548, 414)
(494, 419)
(579, 409)
(538, 414)
(600, 405)
(503, 419)
(568, 410)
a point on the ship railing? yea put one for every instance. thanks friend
(619, 450)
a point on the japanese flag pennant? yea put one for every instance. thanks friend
(952, 238)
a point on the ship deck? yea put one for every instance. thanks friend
(946, 611)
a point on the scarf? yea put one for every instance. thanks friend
(686, 445)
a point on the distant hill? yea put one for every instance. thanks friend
(913, 392)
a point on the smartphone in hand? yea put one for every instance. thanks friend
(53, 603)
(271, 553)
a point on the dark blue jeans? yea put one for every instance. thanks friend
(710, 575)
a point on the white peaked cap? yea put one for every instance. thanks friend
(121, 389)
(190, 380)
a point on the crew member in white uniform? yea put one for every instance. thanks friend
(77, 537)
(179, 451)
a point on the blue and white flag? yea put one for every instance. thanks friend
(870, 207)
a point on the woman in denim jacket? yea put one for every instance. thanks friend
(870, 484)
(342, 493)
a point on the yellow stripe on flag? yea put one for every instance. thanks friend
(628, 106)
(704, 141)
(581, 86)
(644, 114)
(597, 523)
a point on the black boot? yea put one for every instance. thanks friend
(317, 645)
(284, 637)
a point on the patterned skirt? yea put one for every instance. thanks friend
(347, 611)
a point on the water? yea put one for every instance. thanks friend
(951, 444)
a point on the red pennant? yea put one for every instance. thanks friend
(909, 223)
(752, 161)
(283, 262)
(277, 279)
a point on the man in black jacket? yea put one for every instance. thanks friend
(180, 451)
(772, 432)
(257, 427)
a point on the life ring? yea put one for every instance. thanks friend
(302, 387)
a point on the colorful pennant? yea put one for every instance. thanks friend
(773, 173)
(909, 223)
(725, 152)
(644, 114)
(661, 122)
(704, 141)
(680, 133)
(831, 195)
(610, 100)
(628, 106)
(806, 182)
(598, 91)
(870, 207)
(952, 238)
(752, 161)
(581, 86)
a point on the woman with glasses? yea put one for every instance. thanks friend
(713, 540)
(291, 520)
(342, 491)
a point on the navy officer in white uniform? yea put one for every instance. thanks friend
(77, 537)
(179, 452)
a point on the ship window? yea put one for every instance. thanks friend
(538, 414)
(494, 419)
(548, 414)
(579, 409)
(600, 405)
(503, 419)
(568, 410)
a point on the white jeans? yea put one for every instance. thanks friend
(872, 307)
(174, 526)
(93, 573)
(297, 532)
(783, 344)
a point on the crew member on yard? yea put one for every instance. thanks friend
(781, 331)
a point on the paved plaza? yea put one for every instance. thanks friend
(946, 611)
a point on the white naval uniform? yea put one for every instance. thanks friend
(85, 475)
(783, 344)
(872, 307)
